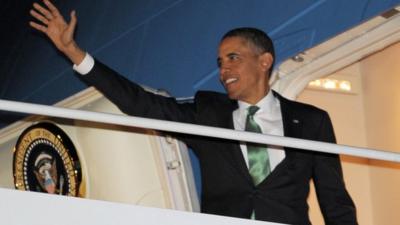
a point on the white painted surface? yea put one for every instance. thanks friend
(382, 109)
(347, 115)
(119, 163)
(22, 208)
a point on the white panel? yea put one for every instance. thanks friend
(22, 208)
(120, 164)
(6, 160)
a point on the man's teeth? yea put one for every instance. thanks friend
(230, 80)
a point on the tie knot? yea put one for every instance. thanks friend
(251, 110)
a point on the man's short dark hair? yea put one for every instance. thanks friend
(258, 38)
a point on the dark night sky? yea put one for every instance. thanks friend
(14, 17)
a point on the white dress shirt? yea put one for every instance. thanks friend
(269, 118)
(85, 66)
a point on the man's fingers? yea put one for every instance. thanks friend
(52, 8)
(72, 24)
(43, 11)
(38, 27)
(73, 19)
(39, 17)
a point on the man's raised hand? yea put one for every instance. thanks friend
(60, 32)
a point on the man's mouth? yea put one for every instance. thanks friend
(230, 81)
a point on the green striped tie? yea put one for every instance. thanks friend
(259, 166)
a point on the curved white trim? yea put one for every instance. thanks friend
(292, 83)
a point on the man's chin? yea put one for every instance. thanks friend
(232, 96)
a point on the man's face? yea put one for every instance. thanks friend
(243, 70)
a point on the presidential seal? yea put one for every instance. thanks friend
(45, 160)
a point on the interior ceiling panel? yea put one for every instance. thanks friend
(322, 20)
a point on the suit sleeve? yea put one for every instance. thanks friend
(336, 204)
(133, 100)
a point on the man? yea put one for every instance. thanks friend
(238, 179)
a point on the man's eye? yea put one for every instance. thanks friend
(233, 57)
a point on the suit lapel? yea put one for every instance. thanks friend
(292, 127)
(233, 152)
(292, 120)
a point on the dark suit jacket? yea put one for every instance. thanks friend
(226, 184)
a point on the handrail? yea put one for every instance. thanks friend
(200, 130)
(33, 208)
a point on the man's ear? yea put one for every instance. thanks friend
(266, 61)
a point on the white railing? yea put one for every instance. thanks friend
(162, 125)
(31, 208)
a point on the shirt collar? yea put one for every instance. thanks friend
(266, 104)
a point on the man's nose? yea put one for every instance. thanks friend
(223, 69)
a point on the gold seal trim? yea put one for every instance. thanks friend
(45, 160)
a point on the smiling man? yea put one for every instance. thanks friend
(245, 65)
(246, 180)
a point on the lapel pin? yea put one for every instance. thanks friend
(295, 121)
